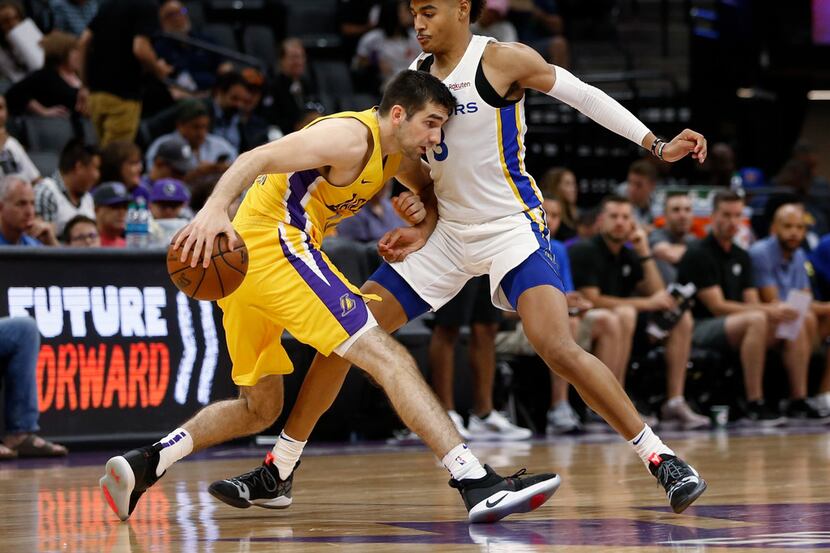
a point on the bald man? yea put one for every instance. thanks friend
(780, 265)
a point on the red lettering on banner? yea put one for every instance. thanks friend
(116, 379)
(45, 377)
(67, 367)
(85, 377)
(91, 363)
(159, 372)
(138, 374)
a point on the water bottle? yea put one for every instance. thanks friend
(138, 224)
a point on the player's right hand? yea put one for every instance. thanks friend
(396, 244)
(200, 233)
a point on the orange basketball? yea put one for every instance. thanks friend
(224, 274)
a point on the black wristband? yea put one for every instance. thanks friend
(645, 258)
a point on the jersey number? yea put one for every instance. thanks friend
(441, 151)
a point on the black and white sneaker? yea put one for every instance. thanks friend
(682, 483)
(262, 487)
(799, 411)
(128, 476)
(493, 497)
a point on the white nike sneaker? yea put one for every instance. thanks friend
(496, 427)
(459, 424)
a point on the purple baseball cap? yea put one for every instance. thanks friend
(169, 190)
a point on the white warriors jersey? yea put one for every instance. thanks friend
(479, 167)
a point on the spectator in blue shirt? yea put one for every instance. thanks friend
(780, 265)
(18, 226)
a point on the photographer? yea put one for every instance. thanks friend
(608, 273)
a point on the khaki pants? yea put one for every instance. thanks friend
(114, 118)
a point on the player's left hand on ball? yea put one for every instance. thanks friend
(200, 233)
(685, 143)
(396, 244)
(409, 207)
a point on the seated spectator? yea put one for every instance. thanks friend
(73, 16)
(596, 330)
(121, 162)
(81, 232)
(608, 273)
(232, 99)
(292, 89)
(19, 347)
(560, 183)
(173, 160)
(111, 202)
(373, 221)
(66, 193)
(668, 244)
(18, 226)
(194, 69)
(587, 226)
(168, 199)
(20, 51)
(728, 312)
(796, 176)
(493, 22)
(639, 189)
(385, 51)
(779, 266)
(56, 89)
(192, 125)
(13, 158)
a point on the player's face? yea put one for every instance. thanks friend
(726, 220)
(436, 22)
(616, 221)
(790, 228)
(420, 131)
(679, 214)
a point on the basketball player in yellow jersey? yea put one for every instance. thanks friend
(303, 185)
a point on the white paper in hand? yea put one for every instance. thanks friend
(800, 301)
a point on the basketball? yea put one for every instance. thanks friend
(224, 274)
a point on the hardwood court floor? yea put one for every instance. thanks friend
(766, 491)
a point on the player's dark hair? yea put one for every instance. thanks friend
(412, 90)
(476, 7)
(725, 196)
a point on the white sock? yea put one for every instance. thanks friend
(647, 445)
(175, 445)
(286, 452)
(462, 464)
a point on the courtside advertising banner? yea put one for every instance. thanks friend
(123, 352)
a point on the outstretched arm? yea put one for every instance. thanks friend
(337, 143)
(509, 64)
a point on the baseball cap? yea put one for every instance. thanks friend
(169, 190)
(178, 154)
(111, 193)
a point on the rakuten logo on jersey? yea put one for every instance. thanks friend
(459, 86)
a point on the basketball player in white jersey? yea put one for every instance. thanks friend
(489, 221)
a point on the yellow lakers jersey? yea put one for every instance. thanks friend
(309, 202)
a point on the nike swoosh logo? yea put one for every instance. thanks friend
(496, 502)
(639, 439)
(364, 181)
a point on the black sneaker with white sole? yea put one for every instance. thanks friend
(262, 487)
(493, 497)
(682, 483)
(128, 476)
